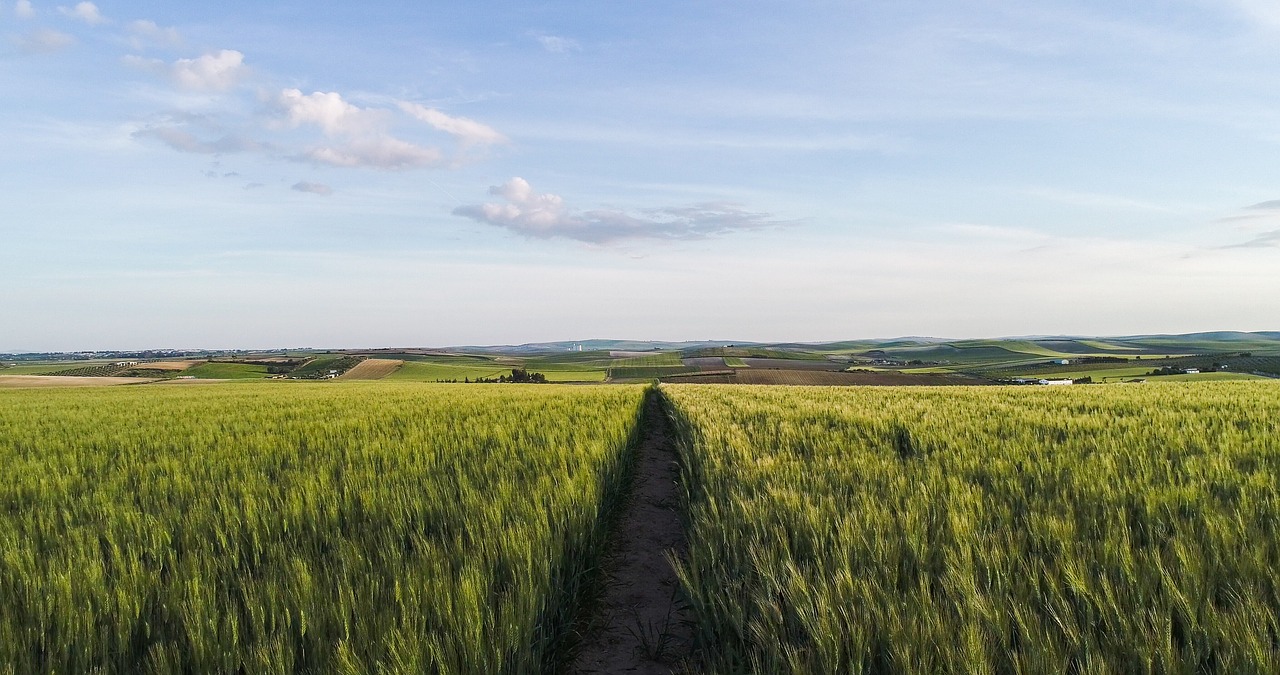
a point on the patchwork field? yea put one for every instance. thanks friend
(821, 378)
(794, 364)
(359, 527)
(997, 529)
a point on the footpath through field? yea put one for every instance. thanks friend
(640, 625)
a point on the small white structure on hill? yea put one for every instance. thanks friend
(1193, 371)
(1056, 382)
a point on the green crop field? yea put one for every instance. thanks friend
(312, 528)
(223, 370)
(573, 375)
(1125, 529)
(430, 371)
(659, 360)
(434, 371)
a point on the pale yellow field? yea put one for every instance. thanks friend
(372, 369)
(31, 381)
(167, 365)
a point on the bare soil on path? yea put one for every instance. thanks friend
(640, 624)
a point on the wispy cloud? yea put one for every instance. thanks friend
(185, 141)
(380, 152)
(1095, 200)
(216, 71)
(145, 31)
(313, 188)
(23, 9)
(1265, 240)
(556, 44)
(466, 130)
(342, 133)
(84, 11)
(43, 41)
(1254, 217)
(213, 72)
(1260, 221)
(546, 216)
(1264, 12)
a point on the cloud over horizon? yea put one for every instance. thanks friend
(546, 216)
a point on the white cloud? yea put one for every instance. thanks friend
(466, 130)
(84, 11)
(145, 31)
(556, 44)
(313, 188)
(23, 9)
(328, 111)
(211, 72)
(362, 133)
(44, 41)
(218, 71)
(546, 216)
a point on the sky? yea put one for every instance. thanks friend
(324, 174)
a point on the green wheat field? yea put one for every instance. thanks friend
(396, 527)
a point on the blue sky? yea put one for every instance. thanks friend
(375, 174)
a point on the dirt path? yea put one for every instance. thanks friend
(640, 624)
